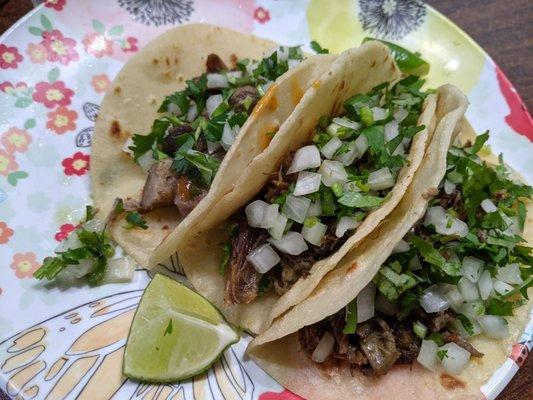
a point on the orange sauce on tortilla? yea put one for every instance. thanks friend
(296, 91)
(266, 136)
(183, 188)
(268, 103)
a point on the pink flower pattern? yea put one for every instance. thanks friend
(59, 48)
(52, 94)
(9, 57)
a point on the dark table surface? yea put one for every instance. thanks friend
(503, 28)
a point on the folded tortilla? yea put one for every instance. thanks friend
(199, 238)
(130, 107)
(278, 352)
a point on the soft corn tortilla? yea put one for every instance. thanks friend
(278, 352)
(199, 238)
(130, 107)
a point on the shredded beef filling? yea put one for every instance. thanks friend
(380, 342)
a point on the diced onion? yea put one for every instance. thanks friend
(445, 224)
(315, 209)
(381, 179)
(346, 123)
(212, 146)
(485, 285)
(456, 358)
(391, 130)
(385, 306)
(400, 114)
(314, 234)
(192, 113)
(488, 206)
(501, 287)
(263, 258)
(255, 212)
(126, 146)
(468, 289)
(305, 158)
(459, 328)
(283, 53)
(454, 298)
(291, 63)
(331, 147)
(427, 356)
(291, 243)
(433, 300)
(345, 224)
(349, 156)
(379, 113)
(472, 309)
(472, 268)
(174, 109)
(212, 103)
(94, 225)
(270, 216)
(332, 172)
(494, 326)
(146, 160)
(278, 226)
(232, 75)
(361, 144)
(119, 270)
(324, 348)
(71, 242)
(296, 207)
(228, 137)
(308, 182)
(449, 187)
(365, 303)
(217, 81)
(401, 247)
(76, 271)
(510, 274)
(332, 129)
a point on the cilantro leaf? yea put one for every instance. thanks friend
(169, 328)
(500, 307)
(467, 324)
(179, 99)
(441, 354)
(350, 318)
(135, 220)
(318, 49)
(226, 255)
(358, 200)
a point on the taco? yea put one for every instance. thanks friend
(339, 165)
(432, 301)
(159, 149)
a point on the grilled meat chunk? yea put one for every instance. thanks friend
(215, 64)
(170, 146)
(459, 341)
(378, 344)
(160, 186)
(238, 101)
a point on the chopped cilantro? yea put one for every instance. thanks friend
(226, 255)
(467, 324)
(441, 354)
(168, 330)
(317, 48)
(437, 338)
(135, 220)
(350, 318)
(500, 307)
(358, 200)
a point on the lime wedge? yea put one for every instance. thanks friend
(175, 334)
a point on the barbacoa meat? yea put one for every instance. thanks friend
(378, 344)
(160, 186)
(242, 280)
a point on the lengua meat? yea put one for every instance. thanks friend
(160, 186)
(242, 280)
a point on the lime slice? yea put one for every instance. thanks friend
(175, 334)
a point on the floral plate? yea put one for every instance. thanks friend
(55, 66)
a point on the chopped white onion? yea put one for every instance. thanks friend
(472, 309)
(454, 298)
(349, 156)
(308, 182)
(401, 247)
(488, 206)
(126, 146)
(385, 306)
(332, 172)
(472, 268)
(433, 300)
(400, 114)
(501, 287)
(217, 81)
(75, 271)
(365, 303)
(315, 209)
(255, 212)
(291, 243)
(228, 137)
(485, 285)
(381, 179)
(314, 234)
(213, 146)
(305, 158)
(94, 225)
(361, 144)
(192, 113)
(379, 113)
(346, 123)
(174, 109)
(212, 103)
(291, 63)
(468, 289)
(345, 224)
(398, 151)
(71, 242)
(324, 348)
(456, 358)
(232, 75)
(333, 129)
(510, 274)
(449, 187)
(278, 226)
(427, 355)
(494, 326)
(270, 216)
(146, 161)
(296, 207)
(119, 270)
(458, 327)
(283, 53)
(445, 224)
(391, 130)
(263, 258)
(331, 147)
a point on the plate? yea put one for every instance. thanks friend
(55, 66)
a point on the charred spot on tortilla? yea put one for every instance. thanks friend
(114, 130)
(373, 64)
(450, 382)
(343, 83)
(117, 90)
(352, 268)
(155, 61)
